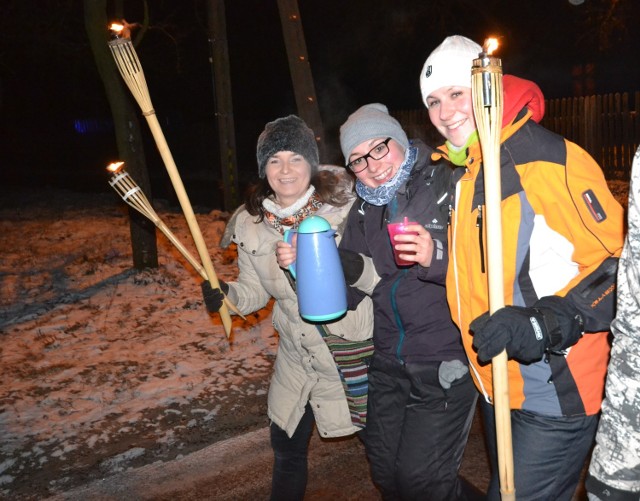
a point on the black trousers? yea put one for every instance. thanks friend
(549, 453)
(289, 478)
(416, 430)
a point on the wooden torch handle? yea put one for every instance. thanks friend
(489, 123)
(192, 260)
(192, 222)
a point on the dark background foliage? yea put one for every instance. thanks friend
(55, 121)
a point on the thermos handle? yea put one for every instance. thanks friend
(288, 237)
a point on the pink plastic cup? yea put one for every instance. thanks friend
(400, 229)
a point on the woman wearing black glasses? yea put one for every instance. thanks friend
(421, 397)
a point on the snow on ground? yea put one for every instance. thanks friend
(105, 367)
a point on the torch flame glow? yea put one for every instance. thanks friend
(115, 166)
(490, 44)
(116, 27)
(123, 29)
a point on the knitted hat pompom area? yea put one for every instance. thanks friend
(369, 122)
(289, 133)
(449, 65)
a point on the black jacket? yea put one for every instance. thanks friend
(411, 315)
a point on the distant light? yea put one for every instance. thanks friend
(92, 125)
(576, 2)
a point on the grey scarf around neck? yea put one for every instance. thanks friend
(382, 195)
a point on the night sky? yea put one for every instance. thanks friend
(55, 121)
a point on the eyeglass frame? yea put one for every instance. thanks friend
(369, 155)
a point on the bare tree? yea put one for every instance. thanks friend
(127, 128)
(610, 20)
(217, 31)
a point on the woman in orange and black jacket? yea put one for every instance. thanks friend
(562, 234)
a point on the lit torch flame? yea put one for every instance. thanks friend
(490, 44)
(486, 62)
(114, 167)
(116, 29)
(123, 29)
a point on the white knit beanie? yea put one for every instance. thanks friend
(368, 122)
(449, 65)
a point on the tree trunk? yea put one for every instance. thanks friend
(301, 77)
(127, 128)
(223, 102)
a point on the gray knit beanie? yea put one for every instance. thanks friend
(287, 134)
(368, 122)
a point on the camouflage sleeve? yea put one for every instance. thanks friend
(614, 473)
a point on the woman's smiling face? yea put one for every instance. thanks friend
(289, 175)
(451, 112)
(378, 172)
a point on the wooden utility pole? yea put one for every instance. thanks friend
(219, 57)
(300, 69)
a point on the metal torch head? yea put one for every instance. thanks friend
(484, 66)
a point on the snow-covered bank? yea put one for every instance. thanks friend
(104, 367)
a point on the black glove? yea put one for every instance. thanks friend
(552, 323)
(352, 265)
(213, 297)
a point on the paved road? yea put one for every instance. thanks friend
(239, 469)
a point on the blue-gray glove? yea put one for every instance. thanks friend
(450, 371)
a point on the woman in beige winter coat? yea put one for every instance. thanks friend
(306, 386)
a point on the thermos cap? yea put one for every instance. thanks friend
(314, 224)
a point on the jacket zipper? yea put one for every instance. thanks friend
(480, 239)
(398, 319)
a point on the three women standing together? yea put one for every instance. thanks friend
(563, 234)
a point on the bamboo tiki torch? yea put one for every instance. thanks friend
(133, 195)
(130, 68)
(486, 81)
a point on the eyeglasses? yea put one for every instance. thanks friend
(377, 153)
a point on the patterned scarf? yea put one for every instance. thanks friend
(290, 217)
(382, 195)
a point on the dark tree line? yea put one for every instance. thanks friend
(360, 51)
